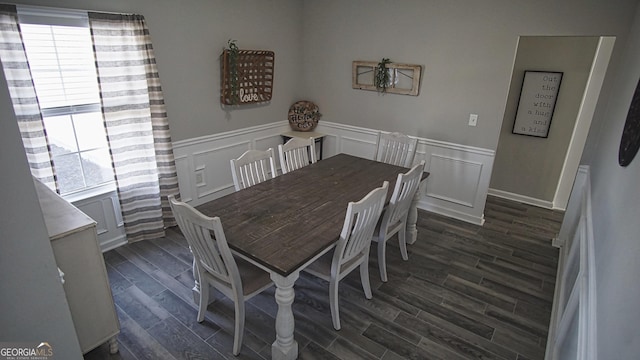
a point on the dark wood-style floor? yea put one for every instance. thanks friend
(467, 292)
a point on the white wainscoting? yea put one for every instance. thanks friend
(204, 171)
(104, 208)
(459, 180)
(573, 324)
(457, 186)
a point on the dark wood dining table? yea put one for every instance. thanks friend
(284, 224)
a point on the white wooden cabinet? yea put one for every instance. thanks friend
(75, 247)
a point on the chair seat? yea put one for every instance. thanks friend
(322, 267)
(391, 229)
(253, 278)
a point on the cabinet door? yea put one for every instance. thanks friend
(87, 287)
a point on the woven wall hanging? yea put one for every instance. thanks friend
(246, 76)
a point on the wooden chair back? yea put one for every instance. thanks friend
(211, 255)
(394, 219)
(214, 264)
(297, 153)
(403, 192)
(396, 149)
(253, 167)
(359, 225)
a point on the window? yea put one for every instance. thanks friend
(63, 70)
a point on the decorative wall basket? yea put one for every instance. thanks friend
(246, 77)
(304, 116)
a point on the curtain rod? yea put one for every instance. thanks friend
(38, 9)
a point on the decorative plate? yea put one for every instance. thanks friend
(630, 141)
(304, 116)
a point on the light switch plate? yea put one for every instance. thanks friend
(473, 119)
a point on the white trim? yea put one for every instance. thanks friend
(450, 212)
(448, 193)
(521, 198)
(113, 243)
(90, 192)
(52, 16)
(421, 141)
(578, 291)
(583, 121)
(230, 134)
(572, 213)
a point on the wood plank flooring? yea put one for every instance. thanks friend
(467, 292)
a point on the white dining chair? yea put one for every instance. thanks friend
(253, 167)
(394, 218)
(396, 149)
(213, 264)
(352, 249)
(297, 153)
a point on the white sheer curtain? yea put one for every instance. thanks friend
(136, 122)
(134, 115)
(23, 95)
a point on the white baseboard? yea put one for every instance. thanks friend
(449, 212)
(113, 243)
(522, 199)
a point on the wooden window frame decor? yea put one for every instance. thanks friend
(537, 103)
(246, 76)
(404, 79)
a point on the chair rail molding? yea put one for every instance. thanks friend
(203, 163)
(457, 186)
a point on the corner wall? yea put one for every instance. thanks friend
(188, 38)
(616, 210)
(457, 186)
(466, 49)
(34, 305)
(540, 160)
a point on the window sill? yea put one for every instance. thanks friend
(90, 192)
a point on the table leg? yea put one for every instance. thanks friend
(113, 345)
(195, 291)
(285, 347)
(412, 218)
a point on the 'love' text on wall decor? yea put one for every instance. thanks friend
(246, 76)
(537, 103)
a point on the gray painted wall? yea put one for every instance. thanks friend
(33, 305)
(188, 38)
(538, 160)
(467, 49)
(616, 211)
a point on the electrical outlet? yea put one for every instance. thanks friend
(199, 178)
(473, 119)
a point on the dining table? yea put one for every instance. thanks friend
(284, 224)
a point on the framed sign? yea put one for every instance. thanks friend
(537, 102)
